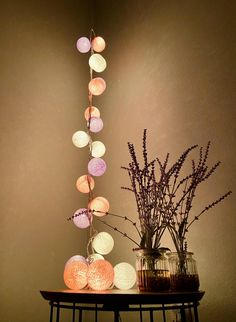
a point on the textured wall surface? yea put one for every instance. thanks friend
(171, 69)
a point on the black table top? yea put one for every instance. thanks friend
(132, 296)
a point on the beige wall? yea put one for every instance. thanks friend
(42, 92)
(171, 69)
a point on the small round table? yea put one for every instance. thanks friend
(121, 301)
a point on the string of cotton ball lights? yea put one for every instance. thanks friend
(94, 272)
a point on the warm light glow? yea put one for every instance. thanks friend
(97, 63)
(85, 183)
(75, 275)
(97, 167)
(80, 139)
(98, 149)
(95, 124)
(125, 276)
(94, 257)
(99, 204)
(83, 45)
(100, 275)
(91, 111)
(98, 44)
(97, 86)
(103, 243)
(82, 218)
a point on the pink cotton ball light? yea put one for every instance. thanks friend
(100, 275)
(91, 111)
(97, 167)
(82, 218)
(95, 124)
(98, 44)
(85, 183)
(97, 86)
(75, 275)
(76, 258)
(83, 44)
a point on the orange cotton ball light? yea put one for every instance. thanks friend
(75, 275)
(97, 86)
(100, 275)
(91, 111)
(100, 206)
(98, 44)
(85, 183)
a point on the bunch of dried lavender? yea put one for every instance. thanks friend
(149, 194)
(166, 202)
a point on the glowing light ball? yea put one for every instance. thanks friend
(83, 45)
(94, 257)
(125, 276)
(97, 167)
(75, 275)
(99, 204)
(98, 149)
(82, 219)
(100, 275)
(103, 243)
(76, 258)
(80, 139)
(91, 111)
(98, 44)
(97, 63)
(97, 86)
(85, 183)
(95, 124)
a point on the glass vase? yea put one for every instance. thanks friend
(183, 272)
(152, 270)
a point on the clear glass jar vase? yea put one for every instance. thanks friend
(183, 272)
(152, 270)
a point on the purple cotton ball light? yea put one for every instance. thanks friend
(95, 124)
(83, 45)
(82, 219)
(97, 167)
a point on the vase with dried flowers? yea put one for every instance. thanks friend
(164, 202)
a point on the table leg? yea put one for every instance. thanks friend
(141, 313)
(151, 315)
(51, 312)
(163, 312)
(182, 313)
(58, 312)
(116, 316)
(195, 312)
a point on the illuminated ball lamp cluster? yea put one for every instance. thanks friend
(95, 272)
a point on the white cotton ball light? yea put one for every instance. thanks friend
(103, 243)
(80, 139)
(97, 63)
(98, 149)
(125, 276)
(85, 183)
(94, 257)
(100, 275)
